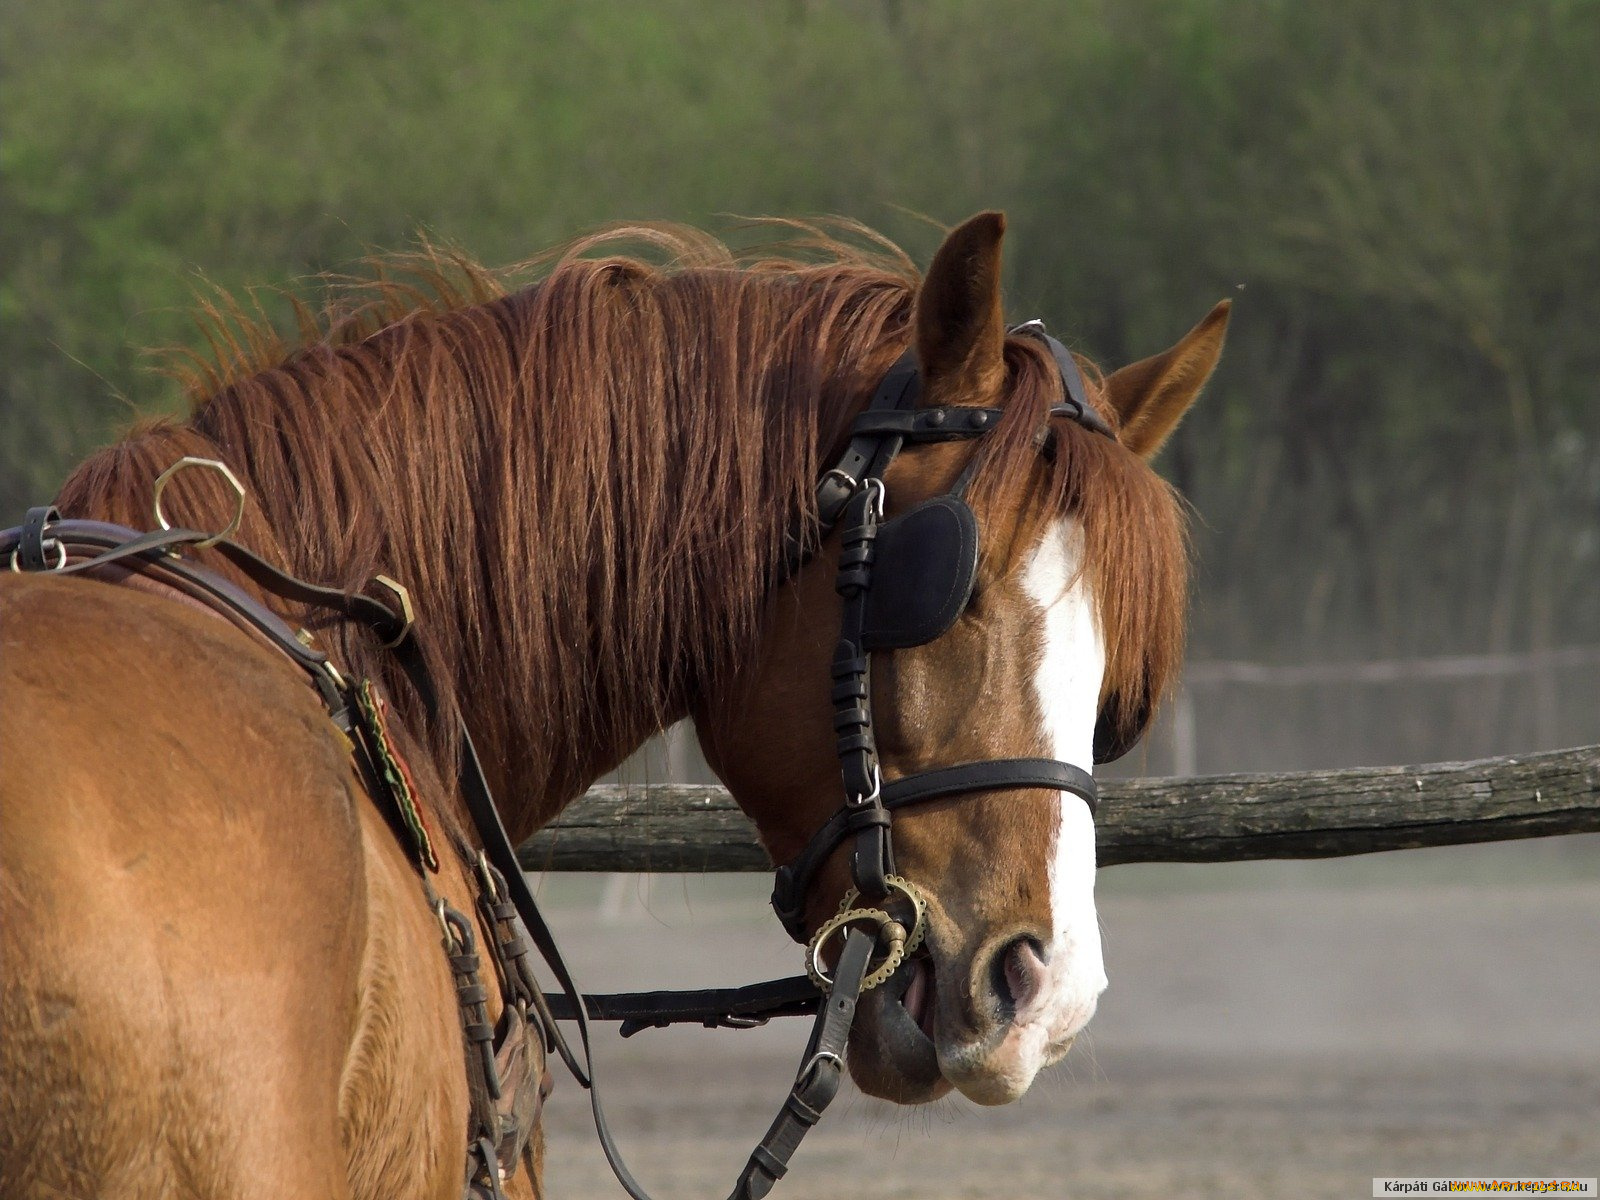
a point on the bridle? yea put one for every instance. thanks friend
(904, 582)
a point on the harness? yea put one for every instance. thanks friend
(504, 1062)
(904, 582)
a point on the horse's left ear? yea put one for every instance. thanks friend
(961, 331)
(1151, 396)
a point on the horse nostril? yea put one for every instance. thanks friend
(1016, 973)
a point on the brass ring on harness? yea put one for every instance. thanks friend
(849, 915)
(408, 616)
(211, 464)
(61, 560)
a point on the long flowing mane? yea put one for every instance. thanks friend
(585, 480)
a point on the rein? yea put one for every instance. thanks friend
(904, 581)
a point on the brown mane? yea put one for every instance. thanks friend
(585, 481)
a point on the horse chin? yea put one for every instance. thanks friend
(892, 1055)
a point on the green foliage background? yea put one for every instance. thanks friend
(1398, 455)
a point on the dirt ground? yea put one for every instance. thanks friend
(1270, 1030)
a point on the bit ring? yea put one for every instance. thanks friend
(889, 931)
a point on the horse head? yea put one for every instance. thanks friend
(1057, 647)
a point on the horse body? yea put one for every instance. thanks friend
(218, 982)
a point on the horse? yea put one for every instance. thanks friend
(220, 973)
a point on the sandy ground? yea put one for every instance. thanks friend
(1270, 1030)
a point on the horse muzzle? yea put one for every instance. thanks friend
(985, 1022)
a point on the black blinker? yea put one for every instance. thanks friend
(923, 568)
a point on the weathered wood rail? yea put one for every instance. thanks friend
(1317, 814)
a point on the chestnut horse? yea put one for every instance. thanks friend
(220, 974)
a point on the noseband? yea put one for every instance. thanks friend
(904, 581)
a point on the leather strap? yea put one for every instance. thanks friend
(821, 1072)
(106, 545)
(948, 423)
(1076, 404)
(866, 455)
(854, 742)
(32, 551)
(109, 545)
(715, 1008)
(898, 389)
(992, 775)
(818, 1079)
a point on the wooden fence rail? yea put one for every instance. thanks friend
(1316, 814)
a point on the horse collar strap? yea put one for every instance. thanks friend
(904, 582)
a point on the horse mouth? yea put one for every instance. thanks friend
(892, 1050)
(917, 998)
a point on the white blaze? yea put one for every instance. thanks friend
(1067, 688)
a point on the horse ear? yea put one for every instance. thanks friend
(1151, 396)
(961, 330)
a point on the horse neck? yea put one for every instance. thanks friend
(688, 496)
(587, 533)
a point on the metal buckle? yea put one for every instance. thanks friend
(211, 464)
(738, 1021)
(858, 801)
(817, 1059)
(456, 927)
(485, 878)
(877, 497)
(841, 476)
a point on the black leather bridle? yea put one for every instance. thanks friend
(904, 582)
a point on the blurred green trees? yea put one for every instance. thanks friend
(1399, 454)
